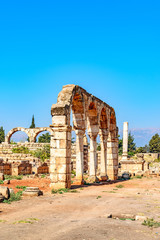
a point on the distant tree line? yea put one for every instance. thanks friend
(153, 147)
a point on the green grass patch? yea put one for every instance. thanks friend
(1, 182)
(120, 186)
(99, 197)
(123, 219)
(21, 187)
(151, 223)
(9, 177)
(28, 220)
(60, 191)
(2, 221)
(14, 197)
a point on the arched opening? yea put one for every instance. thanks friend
(93, 130)
(43, 136)
(78, 130)
(18, 135)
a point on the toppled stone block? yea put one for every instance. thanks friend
(32, 192)
(6, 181)
(1, 176)
(5, 192)
(140, 218)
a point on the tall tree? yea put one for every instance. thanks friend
(131, 144)
(154, 144)
(45, 138)
(33, 123)
(2, 135)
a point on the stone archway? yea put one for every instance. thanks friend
(88, 112)
(14, 130)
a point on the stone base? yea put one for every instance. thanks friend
(103, 178)
(32, 192)
(59, 185)
(132, 166)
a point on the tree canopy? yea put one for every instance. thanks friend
(45, 138)
(2, 135)
(33, 123)
(154, 144)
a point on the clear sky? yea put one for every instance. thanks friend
(110, 48)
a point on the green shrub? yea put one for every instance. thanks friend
(21, 187)
(42, 154)
(151, 223)
(1, 182)
(21, 149)
(60, 191)
(119, 186)
(73, 172)
(9, 177)
(14, 197)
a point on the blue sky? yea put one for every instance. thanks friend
(110, 48)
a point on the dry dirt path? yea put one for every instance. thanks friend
(83, 215)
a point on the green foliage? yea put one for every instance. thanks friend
(131, 144)
(98, 147)
(123, 219)
(33, 123)
(140, 150)
(73, 172)
(28, 220)
(9, 177)
(2, 135)
(151, 223)
(120, 146)
(21, 149)
(154, 144)
(157, 160)
(73, 140)
(60, 191)
(1, 182)
(120, 186)
(98, 197)
(21, 187)
(43, 153)
(45, 138)
(14, 197)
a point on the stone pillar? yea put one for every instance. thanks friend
(125, 141)
(60, 160)
(103, 163)
(79, 155)
(112, 158)
(93, 155)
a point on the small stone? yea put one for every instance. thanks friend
(11, 191)
(5, 192)
(140, 218)
(6, 181)
(1, 176)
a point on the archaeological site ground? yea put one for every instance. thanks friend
(78, 189)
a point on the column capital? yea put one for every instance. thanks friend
(92, 135)
(79, 131)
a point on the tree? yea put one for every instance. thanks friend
(140, 150)
(33, 123)
(120, 145)
(154, 144)
(2, 135)
(131, 145)
(45, 138)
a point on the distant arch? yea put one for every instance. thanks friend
(14, 130)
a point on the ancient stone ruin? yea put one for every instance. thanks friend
(88, 113)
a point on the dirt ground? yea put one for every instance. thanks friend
(82, 215)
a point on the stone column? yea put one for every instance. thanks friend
(103, 165)
(93, 155)
(79, 155)
(60, 160)
(125, 141)
(112, 157)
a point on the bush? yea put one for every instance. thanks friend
(14, 197)
(21, 149)
(1, 182)
(151, 223)
(120, 186)
(60, 191)
(21, 187)
(43, 153)
(9, 177)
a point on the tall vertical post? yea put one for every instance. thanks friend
(112, 157)
(103, 163)
(125, 141)
(93, 155)
(79, 155)
(60, 159)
